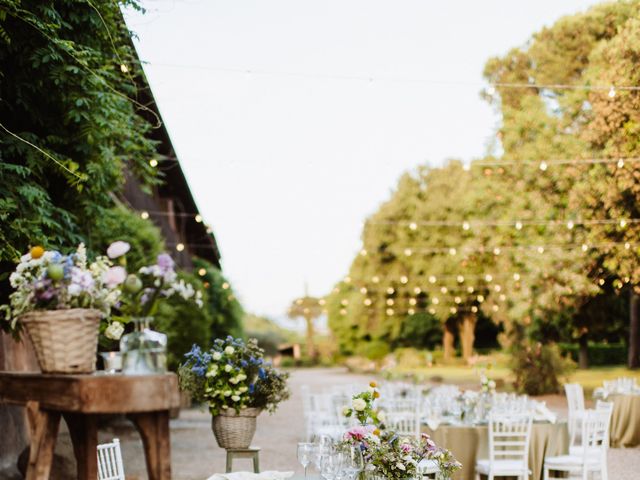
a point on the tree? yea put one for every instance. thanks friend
(309, 308)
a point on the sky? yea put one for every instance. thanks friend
(294, 119)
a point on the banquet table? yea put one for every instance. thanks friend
(625, 420)
(471, 442)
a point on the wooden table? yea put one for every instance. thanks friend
(81, 400)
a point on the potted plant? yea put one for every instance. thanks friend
(60, 301)
(236, 383)
(387, 454)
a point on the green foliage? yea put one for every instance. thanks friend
(421, 330)
(120, 223)
(268, 333)
(600, 354)
(75, 124)
(226, 311)
(184, 322)
(539, 369)
(374, 350)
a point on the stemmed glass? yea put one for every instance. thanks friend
(352, 461)
(304, 455)
(331, 465)
(323, 444)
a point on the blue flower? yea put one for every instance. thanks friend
(252, 388)
(194, 353)
(262, 374)
(199, 370)
(244, 363)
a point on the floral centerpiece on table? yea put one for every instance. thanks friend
(388, 454)
(139, 293)
(236, 383)
(48, 280)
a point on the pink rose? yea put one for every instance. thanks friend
(117, 249)
(114, 276)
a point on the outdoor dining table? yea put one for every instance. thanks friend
(469, 443)
(625, 420)
(82, 400)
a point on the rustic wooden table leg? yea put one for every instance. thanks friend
(154, 430)
(44, 430)
(84, 436)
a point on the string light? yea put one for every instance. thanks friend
(612, 92)
(363, 290)
(363, 252)
(153, 162)
(408, 252)
(411, 311)
(432, 279)
(516, 276)
(570, 224)
(390, 312)
(180, 247)
(444, 290)
(390, 302)
(390, 291)
(367, 301)
(460, 279)
(620, 163)
(403, 279)
(144, 215)
(375, 279)
(413, 226)
(198, 218)
(543, 166)
(623, 223)
(466, 226)
(417, 290)
(202, 272)
(124, 68)
(225, 286)
(518, 225)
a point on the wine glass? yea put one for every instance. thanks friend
(304, 455)
(323, 444)
(330, 465)
(352, 461)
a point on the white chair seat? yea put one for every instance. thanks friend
(501, 467)
(570, 462)
(576, 451)
(427, 467)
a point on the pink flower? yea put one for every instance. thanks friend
(114, 276)
(406, 448)
(117, 249)
(356, 433)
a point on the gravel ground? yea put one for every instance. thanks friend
(195, 455)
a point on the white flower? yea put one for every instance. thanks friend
(234, 380)
(74, 289)
(227, 368)
(114, 331)
(117, 249)
(235, 398)
(359, 404)
(346, 411)
(400, 466)
(114, 276)
(213, 371)
(227, 393)
(243, 389)
(242, 377)
(229, 350)
(382, 416)
(217, 356)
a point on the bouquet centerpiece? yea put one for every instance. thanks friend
(234, 381)
(388, 454)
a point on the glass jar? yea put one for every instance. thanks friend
(144, 351)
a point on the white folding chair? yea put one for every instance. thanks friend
(406, 424)
(575, 402)
(593, 451)
(509, 437)
(601, 406)
(110, 465)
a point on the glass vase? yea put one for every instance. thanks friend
(144, 351)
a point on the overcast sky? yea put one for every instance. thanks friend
(293, 119)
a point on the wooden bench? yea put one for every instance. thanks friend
(81, 400)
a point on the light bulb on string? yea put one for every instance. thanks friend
(343, 311)
(363, 252)
(390, 291)
(491, 90)
(543, 166)
(488, 277)
(466, 226)
(363, 290)
(540, 249)
(570, 225)
(344, 302)
(620, 163)
(412, 301)
(390, 302)
(503, 297)
(432, 279)
(413, 226)
(124, 68)
(408, 252)
(452, 251)
(444, 290)
(470, 289)
(432, 311)
(516, 276)
(390, 312)
(322, 301)
(180, 247)
(497, 288)
(518, 225)
(367, 301)
(435, 300)
(375, 279)
(453, 310)
(198, 218)
(480, 298)
(417, 290)
(458, 300)
(474, 309)
(404, 280)
(144, 215)
(601, 281)
(612, 92)
(153, 162)
(347, 280)
(496, 251)
(585, 247)
(495, 308)
(460, 279)
(411, 311)
(627, 245)
(623, 223)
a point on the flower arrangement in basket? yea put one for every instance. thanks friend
(60, 300)
(236, 383)
(388, 454)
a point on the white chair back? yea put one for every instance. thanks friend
(595, 434)
(575, 402)
(404, 423)
(509, 437)
(110, 465)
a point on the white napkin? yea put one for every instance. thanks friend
(269, 475)
(547, 414)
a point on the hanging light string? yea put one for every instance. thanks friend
(517, 224)
(489, 88)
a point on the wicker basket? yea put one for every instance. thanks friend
(235, 430)
(65, 341)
